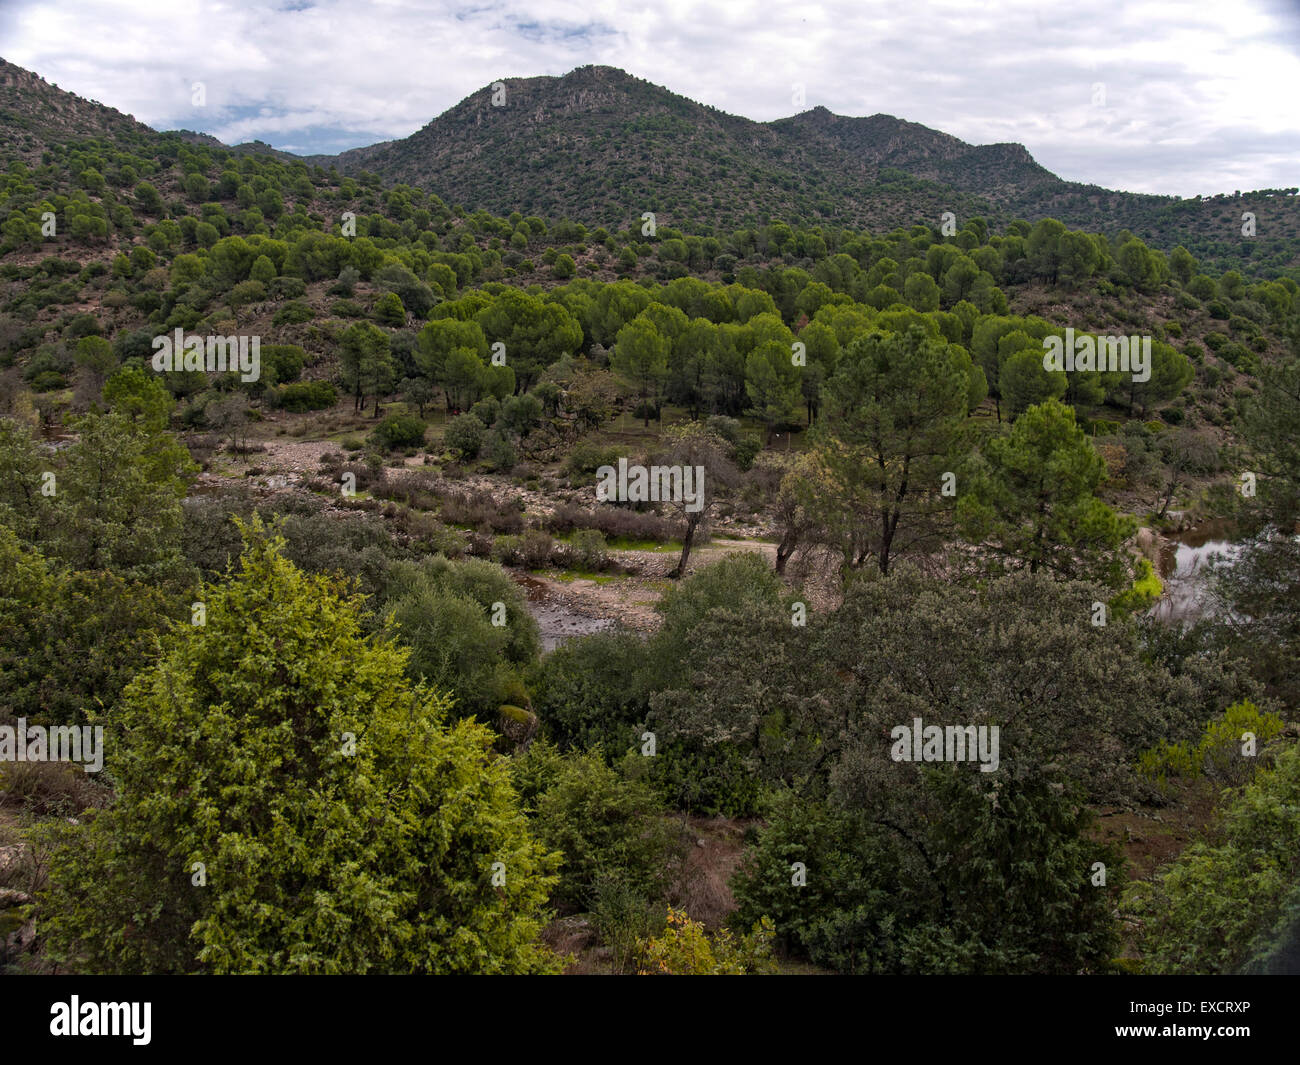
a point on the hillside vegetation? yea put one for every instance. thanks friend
(297, 600)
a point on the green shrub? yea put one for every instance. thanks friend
(500, 452)
(403, 826)
(304, 396)
(686, 949)
(398, 431)
(711, 780)
(606, 826)
(745, 451)
(535, 549)
(1222, 903)
(590, 692)
(294, 312)
(1143, 593)
(283, 361)
(623, 917)
(487, 410)
(446, 611)
(586, 550)
(464, 436)
(587, 458)
(1226, 750)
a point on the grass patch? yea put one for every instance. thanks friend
(568, 576)
(626, 543)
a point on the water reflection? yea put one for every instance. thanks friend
(1185, 564)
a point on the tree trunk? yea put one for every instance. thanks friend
(691, 524)
(785, 549)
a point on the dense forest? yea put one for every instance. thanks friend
(306, 606)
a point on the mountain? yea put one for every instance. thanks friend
(602, 147)
(34, 112)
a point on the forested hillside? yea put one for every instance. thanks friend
(387, 684)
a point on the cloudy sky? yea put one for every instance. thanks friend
(1168, 96)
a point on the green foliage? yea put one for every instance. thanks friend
(894, 415)
(588, 692)
(282, 363)
(304, 396)
(686, 949)
(445, 612)
(464, 436)
(715, 781)
(347, 780)
(1030, 500)
(977, 878)
(1227, 751)
(1142, 594)
(1222, 902)
(607, 826)
(398, 431)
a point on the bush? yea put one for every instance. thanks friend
(50, 789)
(606, 826)
(480, 510)
(535, 549)
(48, 381)
(745, 451)
(623, 918)
(446, 611)
(587, 458)
(284, 361)
(287, 288)
(520, 414)
(685, 949)
(1008, 895)
(590, 692)
(1220, 906)
(464, 436)
(1219, 753)
(293, 313)
(389, 310)
(487, 410)
(1143, 593)
(614, 522)
(398, 431)
(586, 550)
(725, 427)
(399, 828)
(715, 781)
(500, 452)
(303, 396)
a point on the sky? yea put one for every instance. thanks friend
(1180, 97)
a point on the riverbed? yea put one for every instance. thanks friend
(557, 620)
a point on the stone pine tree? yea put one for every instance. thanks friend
(894, 414)
(366, 363)
(1030, 501)
(641, 355)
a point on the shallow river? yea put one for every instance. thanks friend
(1184, 568)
